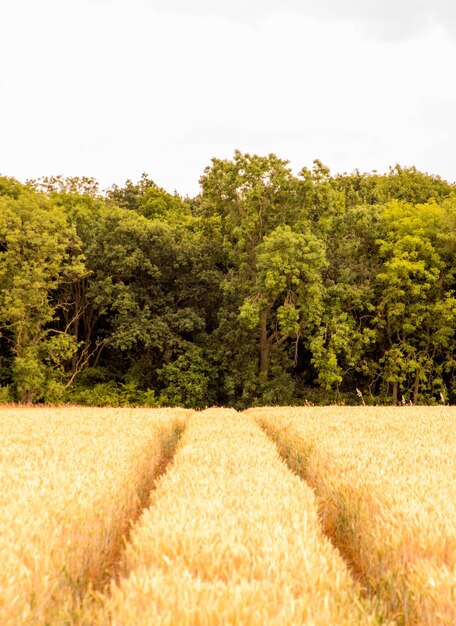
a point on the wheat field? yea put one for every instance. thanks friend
(72, 480)
(232, 537)
(287, 516)
(385, 481)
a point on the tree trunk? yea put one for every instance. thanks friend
(265, 346)
(74, 358)
(395, 392)
(416, 387)
(27, 397)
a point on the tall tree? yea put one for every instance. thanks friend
(39, 251)
(273, 261)
(286, 297)
(341, 346)
(416, 314)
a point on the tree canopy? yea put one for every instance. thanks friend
(268, 287)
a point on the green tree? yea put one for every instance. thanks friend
(39, 251)
(340, 348)
(416, 313)
(286, 297)
(67, 185)
(272, 262)
(153, 285)
(406, 184)
(188, 380)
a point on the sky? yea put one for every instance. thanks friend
(114, 88)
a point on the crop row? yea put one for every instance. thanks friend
(231, 537)
(385, 481)
(71, 484)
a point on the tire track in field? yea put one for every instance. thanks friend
(85, 609)
(385, 483)
(231, 537)
(340, 531)
(144, 494)
(73, 480)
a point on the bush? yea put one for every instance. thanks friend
(187, 380)
(110, 394)
(5, 395)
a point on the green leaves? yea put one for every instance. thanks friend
(29, 375)
(187, 380)
(410, 317)
(267, 287)
(249, 313)
(39, 253)
(288, 320)
(289, 262)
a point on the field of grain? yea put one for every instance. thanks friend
(385, 481)
(232, 537)
(280, 516)
(71, 482)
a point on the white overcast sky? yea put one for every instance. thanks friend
(113, 88)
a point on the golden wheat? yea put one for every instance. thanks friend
(71, 482)
(232, 538)
(386, 486)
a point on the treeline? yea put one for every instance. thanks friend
(266, 288)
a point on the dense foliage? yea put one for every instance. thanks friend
(267, 288)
